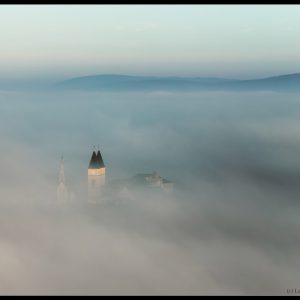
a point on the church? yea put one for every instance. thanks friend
(99, 191)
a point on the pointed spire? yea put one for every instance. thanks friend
(62, 171)
(62, 191)
(100, 160)
(94, 163)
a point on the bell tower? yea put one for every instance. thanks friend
(96, 177)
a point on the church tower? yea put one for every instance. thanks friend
(62, 191)
(96, 177)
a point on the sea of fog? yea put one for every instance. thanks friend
(231, 226)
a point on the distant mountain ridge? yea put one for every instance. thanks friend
(116, 82)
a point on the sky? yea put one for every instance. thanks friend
(235, 41)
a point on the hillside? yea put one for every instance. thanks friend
(290, 82)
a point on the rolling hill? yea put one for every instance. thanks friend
(114, 82)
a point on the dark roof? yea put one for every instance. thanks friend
(94, 163)
(166, 181)
(100, 160)
(142, 175)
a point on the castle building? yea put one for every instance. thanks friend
(96, 178)
(62, 191)
(154, 180)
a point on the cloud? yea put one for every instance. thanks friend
(230, 227)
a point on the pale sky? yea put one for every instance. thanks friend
(237, 41)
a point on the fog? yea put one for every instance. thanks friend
(231, 225)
